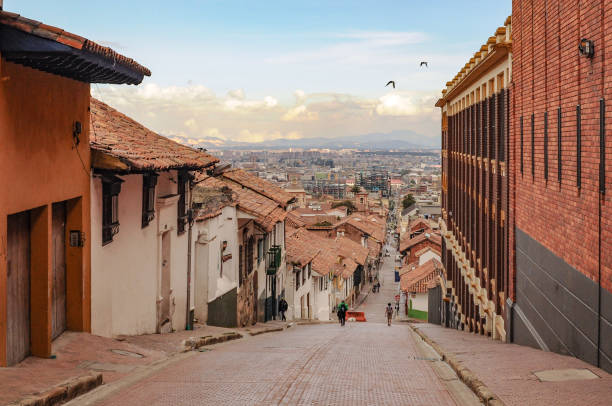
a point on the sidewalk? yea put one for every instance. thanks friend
(509, 370)
(79, 355)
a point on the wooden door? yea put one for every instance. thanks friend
(18, 287)
(58, 236)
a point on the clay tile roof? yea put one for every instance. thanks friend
(259, 185)
(73, 41)
(211, 197)
(294, 221)
(266, 211)
(408, 243)
(420, 224)
(124, 145)
(300, 250)
(351, 249)
(424, 250)
(365, 225)
(326, 261)
(347, 267)
(416, 280)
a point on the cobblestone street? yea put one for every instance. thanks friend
(361, 363)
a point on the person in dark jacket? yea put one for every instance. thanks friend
(282, 308)
(342, 309)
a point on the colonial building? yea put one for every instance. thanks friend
(216, 255)
(140, 234)
(45, 235)
(475, 188)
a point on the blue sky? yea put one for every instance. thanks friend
(230, 70)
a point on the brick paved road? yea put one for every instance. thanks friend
(361, 363)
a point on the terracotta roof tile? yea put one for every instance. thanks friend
(351, 249)
(259, 185)
(294, 221)
(266, 211)
(212, 198)
(300, 249)
(365, 225)
(407, 243)
(116, 135)
(416, 280)
(39, 29)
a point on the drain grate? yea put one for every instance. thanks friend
(127, 353)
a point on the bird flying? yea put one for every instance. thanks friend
(423, 63)
(391, 82)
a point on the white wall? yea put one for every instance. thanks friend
(294, 311)
(321, 310)
(419, 302)
(427, 256)
(210, 283)
(125, 274)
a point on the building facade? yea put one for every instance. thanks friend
(561, 288)
(475, 188)
(45, 243)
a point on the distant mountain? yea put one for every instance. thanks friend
(401, 140)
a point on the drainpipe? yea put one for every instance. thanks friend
(190, 220)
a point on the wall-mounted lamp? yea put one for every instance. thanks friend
(76, 131)
(586, 47)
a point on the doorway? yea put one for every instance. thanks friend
(58, 236)
(18, 288)
(163, 317)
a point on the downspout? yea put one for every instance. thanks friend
(190, 220)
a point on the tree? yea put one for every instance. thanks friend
(408, 201)
(356, 189)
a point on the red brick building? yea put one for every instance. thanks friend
(526, 185)
(561, 284)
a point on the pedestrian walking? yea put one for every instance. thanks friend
(397, 309)
(389, 313)
(282, 308)
(342, 309)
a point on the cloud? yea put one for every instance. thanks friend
(300, 113)
(405, 104)
(196, 114)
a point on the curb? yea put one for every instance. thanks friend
(465, 374)
(62, 393)
(266, 330)
(194, 343)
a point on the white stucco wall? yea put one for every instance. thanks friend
(321, 310)
(427, 256)
(125, 274)
(208, 237)
(294, 311)
(419, 302)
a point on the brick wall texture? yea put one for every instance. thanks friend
(555, 195)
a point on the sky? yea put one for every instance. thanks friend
(262, 70)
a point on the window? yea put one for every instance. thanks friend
(249, 254)
(240, 266)
(111, 187)
(297, 278)
(260, 251)
(304, 277)
(309, 271)
(148, 198)
(182, 203)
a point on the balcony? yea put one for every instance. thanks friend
(274, 259)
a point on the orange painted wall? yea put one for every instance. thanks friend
(39, 166)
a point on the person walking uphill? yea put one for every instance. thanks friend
(342, 309)
(389, 313)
